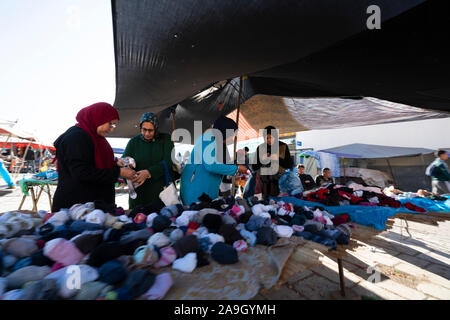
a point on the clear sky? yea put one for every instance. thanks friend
(57, 56)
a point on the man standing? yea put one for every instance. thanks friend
(438, 170)
(272, 158)
(307, 181)
(325, 178)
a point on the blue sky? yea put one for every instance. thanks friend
(58, 56)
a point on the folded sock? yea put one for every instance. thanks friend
(162, 284)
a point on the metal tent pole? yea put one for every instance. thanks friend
(233, 188)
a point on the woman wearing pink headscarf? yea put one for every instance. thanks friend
(86, 167)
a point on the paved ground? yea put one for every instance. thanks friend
(411, 260)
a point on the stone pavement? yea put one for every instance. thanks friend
(408, 261)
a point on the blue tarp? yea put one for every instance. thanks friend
(429, 205)
(370, 216)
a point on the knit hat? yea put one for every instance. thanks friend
(283, 231)
(63, 251)
(236, 211)
(20, 247)
(146, 255)
(78, 211)
(230, 234)
(168, 256)
(297, 228)
(255, 223)
(21, 263)
(345, 228)
(176, 235)
(171, 211)
(201, 259)
(160, 223)
(201, 232)
(212, 222)
(298, 219)
(184, 219)
(192, 226)
(45, 289)
(140, 218)
(186, 263)
(80, 226)
(261, 210)
(59, 218)
(249, 236)
(159, 240)
(112, 272)
(224, 253)
(110, 220)
(226, 219)
(159, 289)
(143, 234)
(19, 277)
(150, 219)
(97, 216)
(88, 240)
(185, 245)
(266, 236)
(313, 226)
(112, 234)
(111, 250)
(199, 216)
(46, 229)
(3, 286)
(240, 245)
(243, 218)
(340, 219)
(87, 274)
(204, 244)
(12, 295)
(139, 281)
(92, 290)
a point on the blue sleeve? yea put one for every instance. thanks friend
(220, 168)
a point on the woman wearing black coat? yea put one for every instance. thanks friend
(86, 167)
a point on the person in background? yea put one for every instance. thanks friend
(208, 164)
(149, 149)
(5, 175)
(325, 178)
(247, 157)
(264, 154)
(87, 170)
(438, 171)
(307, 181)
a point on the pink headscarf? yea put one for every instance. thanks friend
(89, 118)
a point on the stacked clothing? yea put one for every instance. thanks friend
(122, 256)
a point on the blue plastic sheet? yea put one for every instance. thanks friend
(429, 205)
(368, 216)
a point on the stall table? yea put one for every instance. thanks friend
(35, 187)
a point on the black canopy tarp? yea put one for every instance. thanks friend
(169, 52)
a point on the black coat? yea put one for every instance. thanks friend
(79, 181)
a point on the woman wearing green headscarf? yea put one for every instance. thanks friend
(149, 149)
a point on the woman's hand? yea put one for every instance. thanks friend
(141, 176)
(242, 169)
(127, 173)
(120, 162)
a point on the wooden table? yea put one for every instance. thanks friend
(36, 187)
